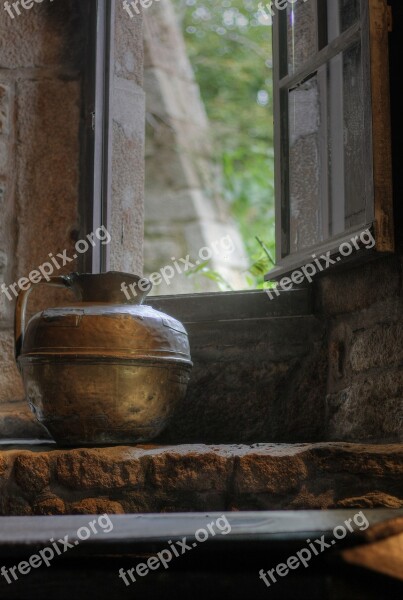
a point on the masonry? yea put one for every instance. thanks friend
(308, 383)
(42, 132)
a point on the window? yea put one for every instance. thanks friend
(332, 127)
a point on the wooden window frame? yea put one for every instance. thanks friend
(372, 31)
(95, 204)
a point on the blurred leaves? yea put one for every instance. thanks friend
(204, 270)
(229, 47)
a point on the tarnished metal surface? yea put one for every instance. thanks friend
(106, 370)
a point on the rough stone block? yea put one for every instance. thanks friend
(127, 209)
(48, 181)
(366, 284)
(11, 387)
(163, 41)
(49, 505)
(168, 96)
(32, 472)
(371, 408)
(182, 469)
(4, 108)
(166, 206)
(2, 192)
(3, 156)
(127, 229)
(3, 263)
(274, 471)
(129, 46)
(47, 35)
(96, 506)
(200, 478)
(378, 347)
(93, 468)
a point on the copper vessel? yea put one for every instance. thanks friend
(106, 369)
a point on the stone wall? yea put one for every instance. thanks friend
(128, 132)
(40, 90)
(42, 123)
(259, 369)
(364, 308)
(199, 478)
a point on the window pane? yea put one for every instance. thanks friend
(301, 34)
(346, 135)
(354, 137)
(327, 152)
(341, 14)
(304, 165)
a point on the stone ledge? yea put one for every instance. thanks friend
(185, 478)
(132, 479)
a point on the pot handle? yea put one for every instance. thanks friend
(63, 281)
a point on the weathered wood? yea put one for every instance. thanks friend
(348, 37)
(230, 306)
(379, 21)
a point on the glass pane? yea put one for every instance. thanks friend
(327, 152)
(354, 149)
(347, 157)
(341, 14)
(304, 116)
(301, 34)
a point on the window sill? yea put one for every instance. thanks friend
(330, 250)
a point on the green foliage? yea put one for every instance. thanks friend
(229, 46)
(204, 270)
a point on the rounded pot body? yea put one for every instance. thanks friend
(100, 372)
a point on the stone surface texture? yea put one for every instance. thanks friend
(335, 375)
(364, 311)
(254, 380)
(40, 91)
(127, 145)
(42, 56)
(40, 481)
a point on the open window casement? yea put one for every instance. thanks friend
(332, 128)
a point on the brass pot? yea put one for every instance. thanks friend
(105, 370)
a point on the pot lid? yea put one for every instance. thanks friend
(110, 331)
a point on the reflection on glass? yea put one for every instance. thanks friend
(301, 34)
(341, 14)
(327, 152)
(304, 165)
(354, 140)
(346, 141)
